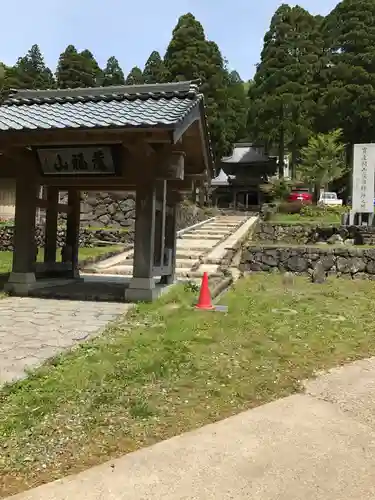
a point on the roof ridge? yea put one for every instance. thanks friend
(142, 89)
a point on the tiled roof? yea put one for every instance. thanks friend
(246, 153)
(222, 179)
(155, 105)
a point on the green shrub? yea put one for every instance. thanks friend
(293, 207)
(316, 212)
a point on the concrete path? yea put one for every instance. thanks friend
(300, 447)
(33, 330)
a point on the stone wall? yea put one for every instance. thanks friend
(307, 234)
(87, 238)
(187, 215)
(318, 262)
(116, 209)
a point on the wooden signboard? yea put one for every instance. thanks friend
(77, 161)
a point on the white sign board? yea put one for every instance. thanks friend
(77, 161)
(363, 178)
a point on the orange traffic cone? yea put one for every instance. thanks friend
(204, 301)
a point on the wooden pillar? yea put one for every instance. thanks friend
(234, 200)
(201, 196)
(142, 284)
(171, 243)
(50, 244)
(22, 277)
(160, 220)
(72, 230)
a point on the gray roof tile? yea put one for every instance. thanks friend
(104, 107)
(245, 153)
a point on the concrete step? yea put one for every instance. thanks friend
(126, 262)
(182, 272)
(120, 269)
(193, 236)
(206, 268)
(201, 242)
(189, 254)
(202, 245)
(221, 225)
(220, 228)
(185, 262)
(212, 232)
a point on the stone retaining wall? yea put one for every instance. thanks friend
(87, 238)
(355, 263)
(187, 215)
(116, 209)
(306, 234)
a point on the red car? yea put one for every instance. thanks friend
(301, 196)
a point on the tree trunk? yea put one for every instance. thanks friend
(281, 156)
(281, 146)
(293, 163)
(317, 192)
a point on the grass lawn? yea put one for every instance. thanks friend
(165, 369)
(84, 253)
(328, 218)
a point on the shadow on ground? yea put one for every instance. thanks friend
(3, 279)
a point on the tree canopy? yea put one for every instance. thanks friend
(112, 73)
(348, 89)
(323, 159)
(30, 72)
(316, 74)
(282, 95)
(135, 77)
(190, 56)
(77, 69)
(155, 70)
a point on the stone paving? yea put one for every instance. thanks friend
(34, 330)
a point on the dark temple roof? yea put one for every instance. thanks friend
(244, 153)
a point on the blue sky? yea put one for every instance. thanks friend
(131, 30)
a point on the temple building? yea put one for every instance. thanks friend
(240, 176)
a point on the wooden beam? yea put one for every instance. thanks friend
(119, 184)
(182, 186)
(186, 123)
(196, 177)
(61, 207)
(20, 156)
(80, 137)
(173, 169)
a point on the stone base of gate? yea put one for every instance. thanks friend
(23, 289)
(144, 290)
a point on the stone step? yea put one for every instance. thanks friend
(198, 237)
(219, 226)
(201, 245)
(229, 223)
(189, 254)
(207, 268)
(191, 247)
(126, 270)
(126, 262)
(182, 272)
(212, 232)
(185, 262)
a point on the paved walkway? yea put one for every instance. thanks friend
(33, 330)
(314, 446)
